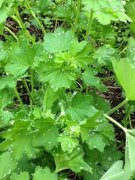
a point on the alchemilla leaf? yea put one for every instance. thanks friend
(127, 82)
(44, 174)
(78, 110)
(58, 41)
(7, 164)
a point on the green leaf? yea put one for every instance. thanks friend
(131, 51)
(21, 176)
(90, 79)
(116, 172)
(106, 11)
(58, 41)
(6, 116)
(23, 56)
(73, 161)
(58, 77)
(68, 144)
(129, 152)
(90, 124)
(49, 98)
(40, 133)
(95, 141)
(7, 164)
(1, 2)
(44, 174)
(130, 7)
(6, 97)
(47, 134)
(101, 104)
(3, 14)
(109, 156)
(81, 107)
(127, 81)
(7, 82)
(3, 52)
(94, 4)
(19, 135)
(104, 54)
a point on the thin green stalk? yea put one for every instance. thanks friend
(77, 15)
(11, 32)
(18, 96)
(127, 116)
(89, 25)
(28, 90)
(116, 123)
(32, 81)
(118, 107)
(34, 16)
(123, 50)
(18, 19)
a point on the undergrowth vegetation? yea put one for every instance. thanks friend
(58, 62)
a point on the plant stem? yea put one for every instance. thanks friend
(28, 90)
(33, 14)
(11, 32)
(123, 50)
(18, 19)
(118, 107)
(77, 15)
(127, 117)
(116, 123)
(18, 96)
(32, 81)
(89, 25)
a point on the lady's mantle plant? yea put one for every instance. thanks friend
(54, 121)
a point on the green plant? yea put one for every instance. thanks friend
(53, 118)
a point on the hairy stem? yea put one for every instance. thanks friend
(89, 25)
(18, 19)
(28, 90)
(77, 15)
(127, 118)
(35, 17)
(118, 107)
(11, 32)
(116, 123)
(32, 81)
(18, 96)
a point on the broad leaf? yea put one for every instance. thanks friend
(42, 133)
(47, 133)
(7, 82)
(96, 141)
(104, 54)
(7, 164)
(116, 172)
(58, 41)
(58, 77)
(81, 107)
(21, 176)
(126, 76)
(106, 11)
(90, 79)
(73, 161)
(130, 152)
(22, 57)
(44, 174)
(68, 144)
(49, 98)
